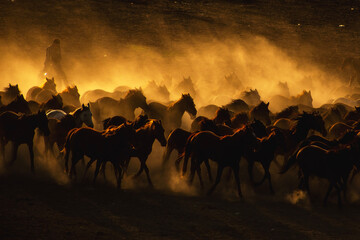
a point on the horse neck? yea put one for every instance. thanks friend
(177, 108)
(300, 131)
(129, 103)
(145, 135)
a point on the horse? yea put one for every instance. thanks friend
(176, 140)
(10, 93)
(225, 151)
(237, 106)
(43, 93)
(334, 165)
(251, 97)
(171, 115)
(261, 112)
(264, 153)
(353, 115)
(60, 128)
(279, 102)
(107, 107)
(54, 103)
(338, 129)
(144, 139)
(93, 95)
(299, 131)
(239, 120)
(186, 85)
(70, 96)
(112, 145)
(331, 117)
(18, 105)
(139, 121)
(222, 117)
(284, 123)
(157, 91)
(20, 129)
(208, 111)
(289, 112)
(56, 114)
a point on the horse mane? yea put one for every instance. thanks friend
(183, 96)
(133, 93)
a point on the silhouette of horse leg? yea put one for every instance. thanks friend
(198, 171)
(31, 151)
(327, 194)
(178, 160)
(194, 162)
(208, 169)
(118, 174)
(88, 166)
(147, 173)
(166, 157)
(237, 178)
(14, 153)
(338, 190)
(2, 146)
(98, 163)
(217, 180)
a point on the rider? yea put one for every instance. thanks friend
(53, 61)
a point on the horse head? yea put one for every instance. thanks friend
(158, 131)
(136, 96)
(50, 85)
(223, 116)
(189, 105)
(86, 115)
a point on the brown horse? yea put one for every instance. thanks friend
(290, 112)
(43, 93)
(171, 115)
(20, 129)
(261, 112)
(71, 96)
(144, 139)
(265, 153)
(18, 105)
(239, 120)
(107, 107)
(334, 165)
(112, 145)
(59, 128)
(10, 93)
(225, 151)
(222, 117)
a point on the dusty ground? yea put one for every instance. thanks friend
(38, 207)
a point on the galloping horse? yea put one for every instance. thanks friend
(171, 115)
(10, 93)
(20, 129)
(222, 117)
(60, 128)
(18, 105)
(225, 151)
(107, 107)
(144, 139)
(112, 145)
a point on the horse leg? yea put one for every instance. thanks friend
(98, 163)
(270, 183)
(103, 168)
(166, 157)
(14, 153)
(208, 169)
(118, 174)
(198, 171)
(88, 166)
(338, 190)
(237, 179)
(193, 167)
(2, 146)
(31, 151)
(328, 193)
(177, 161)
(141, 169)
(250, 170)
(217, 180)
(147, 173)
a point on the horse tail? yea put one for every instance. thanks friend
(290, 162)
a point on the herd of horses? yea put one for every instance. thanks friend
(322, 142)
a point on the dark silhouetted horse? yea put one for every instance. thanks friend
(20, 129)
(18, 105)
(261, 112)
(222, 117)
(225, 151)
(251, 97)
(171, 115)
(10, 93)
(139, 121)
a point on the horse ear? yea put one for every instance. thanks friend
(82, 105)
(267, 104)
(88, 104)
(52, 79)
(9, 85)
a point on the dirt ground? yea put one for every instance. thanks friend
(44, 207)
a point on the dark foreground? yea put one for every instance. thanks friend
(35, 208)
